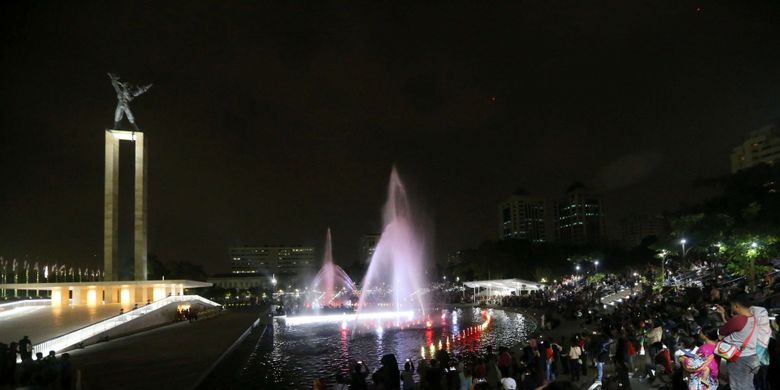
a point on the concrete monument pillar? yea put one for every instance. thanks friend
(111, 205)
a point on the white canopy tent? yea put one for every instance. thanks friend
(502, 287)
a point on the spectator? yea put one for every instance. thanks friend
(739, 331)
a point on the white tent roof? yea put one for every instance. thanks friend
(505, 284)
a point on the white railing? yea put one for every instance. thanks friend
(69, 339)
(25, 303)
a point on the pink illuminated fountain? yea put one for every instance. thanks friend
(331, 286)
(396, 270)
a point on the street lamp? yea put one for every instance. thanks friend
(752, 253)
(684, 251)
(273, 280)
(577, 268)
(596, 266)
(662, 255)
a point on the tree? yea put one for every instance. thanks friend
(156, 270)
(187, 270)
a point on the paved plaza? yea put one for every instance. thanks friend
(172, 357)
(42, 323)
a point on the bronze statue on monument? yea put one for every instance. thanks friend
(124, 94)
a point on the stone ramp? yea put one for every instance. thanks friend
(44, 322)
(171, 357)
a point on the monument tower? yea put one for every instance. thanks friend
(125, 93)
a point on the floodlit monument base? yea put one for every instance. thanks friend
(126, 292)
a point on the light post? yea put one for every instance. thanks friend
(684, 251)
(662, 255)
(596, 266)
(577, 268)
(752, 253)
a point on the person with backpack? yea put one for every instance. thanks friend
(763, 334)
(738, 343)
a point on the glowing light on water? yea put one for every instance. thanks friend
(379, 330)
(439, 344)
(428, 324)
(422, 351)
(336, 318)
(432, 349)
(344, 325)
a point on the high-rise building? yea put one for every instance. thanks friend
(522, 216)
(761, 147)
(368, 244)
(640, 226)
(579, 217)
(272, 260)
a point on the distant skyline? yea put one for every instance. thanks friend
(269, 122)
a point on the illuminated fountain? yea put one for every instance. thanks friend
(392, 288)
(331, 286)
(396, 272)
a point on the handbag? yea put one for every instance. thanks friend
(731, 352)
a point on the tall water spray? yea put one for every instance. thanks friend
(331, 281)
(396, 269)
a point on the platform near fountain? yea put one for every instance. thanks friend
(93, 293)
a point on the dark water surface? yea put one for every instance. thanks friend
(291, 357)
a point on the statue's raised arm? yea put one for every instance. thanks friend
(124, 94)
(115, 82)
(141, 90)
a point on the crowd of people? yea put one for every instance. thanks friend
(49, 372)
(696, 332)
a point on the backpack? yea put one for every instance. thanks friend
(763, 333)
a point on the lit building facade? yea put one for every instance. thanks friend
(241, 281)
(367, 246)
(579, 217)
(761, 147)
(272, 260)
(523, 217)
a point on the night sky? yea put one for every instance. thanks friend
(269, 122)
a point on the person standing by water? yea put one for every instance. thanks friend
(25, 348)
(407, 376)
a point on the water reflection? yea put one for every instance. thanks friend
(299, 354)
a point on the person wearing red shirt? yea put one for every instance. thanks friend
(740, 331)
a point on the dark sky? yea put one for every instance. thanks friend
(269, 122)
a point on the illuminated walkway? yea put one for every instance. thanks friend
(171, 357)
(45, 322)
(108, 325)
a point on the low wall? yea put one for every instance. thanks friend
(162, 316)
